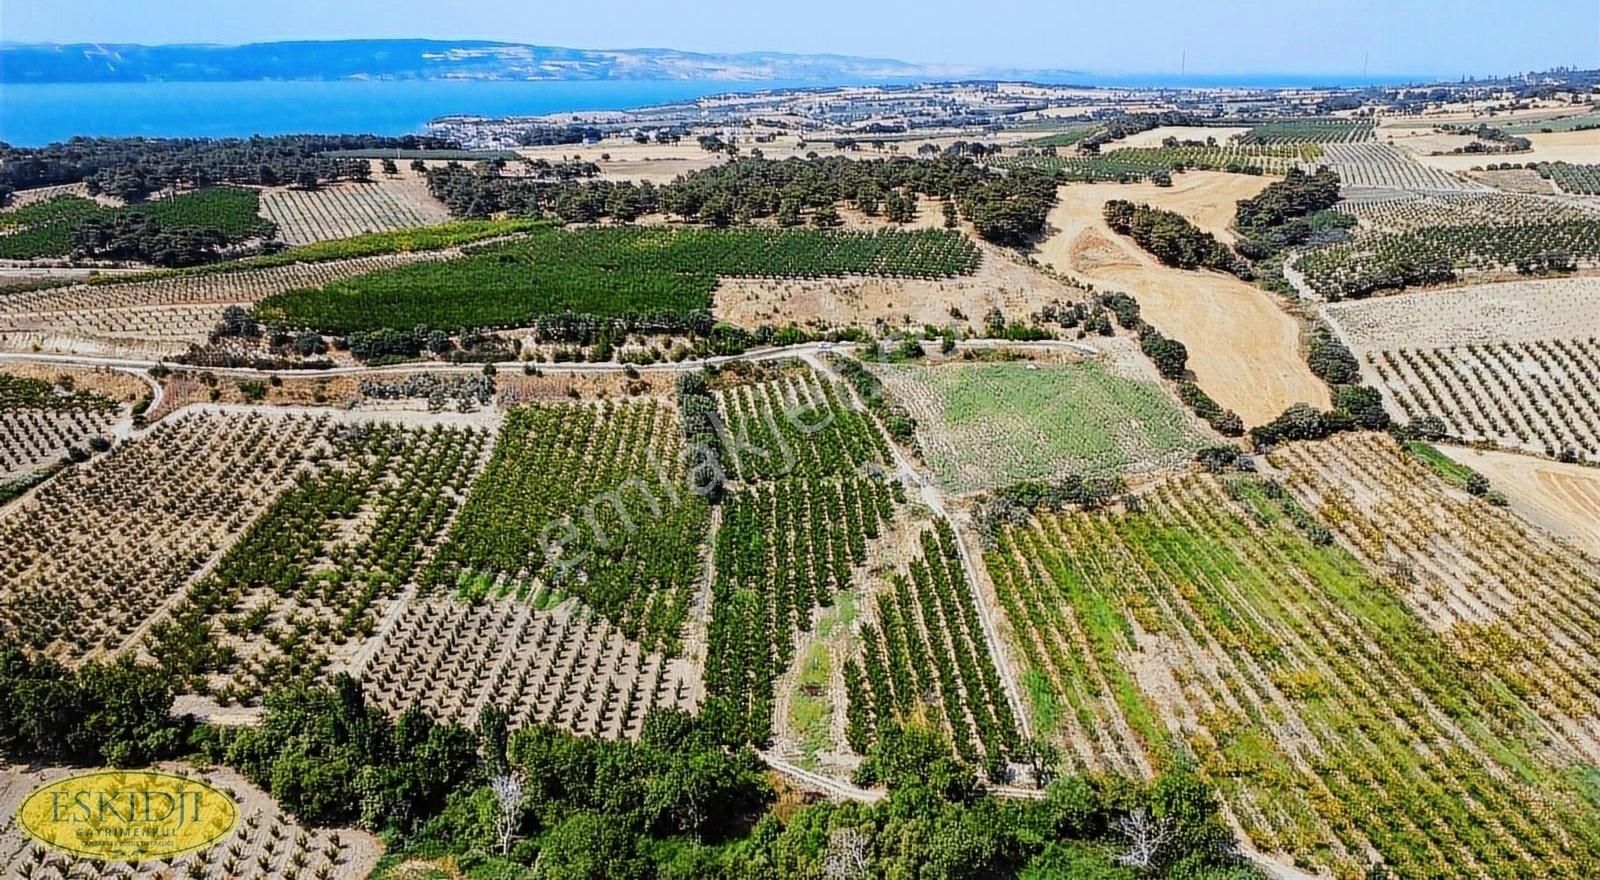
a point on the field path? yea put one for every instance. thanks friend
(933, 497)
(1244, 349)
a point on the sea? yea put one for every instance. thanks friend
(36, 114)
(32, 115)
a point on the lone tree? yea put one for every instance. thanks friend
(509, 797)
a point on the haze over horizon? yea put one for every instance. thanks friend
(1321, 37)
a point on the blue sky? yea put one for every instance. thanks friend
(1444, 38)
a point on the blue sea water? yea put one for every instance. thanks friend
(32, 115)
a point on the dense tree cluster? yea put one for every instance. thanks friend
(1330, 359)
(133, 168)
(1170, 356)
(539, 803)
(140, 237)
(1010, 210)
(1005, 208)
(1290, 212)
(117, 714)
(1225, 421)
(1300, 421)
(1133, 123)
(1172, 239)
(484, 189)
(1017, 503)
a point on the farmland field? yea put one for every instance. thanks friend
(562, 665)
(161, 316)
(1213, 620)
(652, 276)
(987, 425)
(1541, 396)
(1416, 211)
(1139, 163)
(1379, 166)
(806, 500)
(1563, 498)
(1419, 241)
(350, 209)
(70, 592)
(1565, 123)
(924, 651)
(585, 500)
(40, 422)
(313, 574)
(1510, 311)
(1308, 131)
(1583, 180)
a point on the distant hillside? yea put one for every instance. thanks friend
(434, 59)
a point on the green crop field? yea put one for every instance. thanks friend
(987, 425)
(1138, 163)
(655, 275)
(1302, 684)
(1308, 131)
(1580, 122)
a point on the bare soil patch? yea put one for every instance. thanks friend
(1003, 281)
(1244, 350)
(1577, 147)
(1155, 136)
(1563, 498)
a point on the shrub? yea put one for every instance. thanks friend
(1330, 360)
(1170, 356)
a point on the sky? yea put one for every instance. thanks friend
(1444, 38)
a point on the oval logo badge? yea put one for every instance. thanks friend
(128, 815)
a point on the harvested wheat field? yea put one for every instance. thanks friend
(1243, 349)
(1563, 498)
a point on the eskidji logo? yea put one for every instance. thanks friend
(128, 815)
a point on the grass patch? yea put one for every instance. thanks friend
(986, 425)
(1042, 700)
(1448, 469)
(810, 712)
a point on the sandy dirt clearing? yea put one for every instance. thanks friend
(1155, 136)
(1578, 147)
(1563, 498)
(1244, 350)
(1002, 281)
